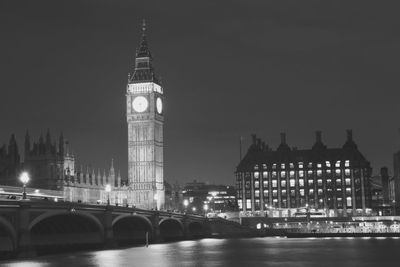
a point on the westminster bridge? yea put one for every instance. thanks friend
(30, 227)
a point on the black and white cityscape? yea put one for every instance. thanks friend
(207, 133)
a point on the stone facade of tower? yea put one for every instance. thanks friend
(144, 102)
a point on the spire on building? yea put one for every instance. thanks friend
(61, 145)
(27, 143)
(144, 71)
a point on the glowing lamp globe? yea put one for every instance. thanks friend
(24, 178)
(108, 188)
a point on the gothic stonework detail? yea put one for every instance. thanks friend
(144, 103)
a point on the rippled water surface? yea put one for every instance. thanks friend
(237, 252)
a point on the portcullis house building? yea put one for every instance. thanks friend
(288, 182)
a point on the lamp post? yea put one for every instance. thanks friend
(24, 178)
(108, 190)
(205, 208)
(155, 199)
(185, 204)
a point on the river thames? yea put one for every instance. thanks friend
(268, 251)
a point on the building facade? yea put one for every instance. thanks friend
(289, 181)
(145, 118)
(53, 173)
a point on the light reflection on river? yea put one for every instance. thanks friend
(237, 252)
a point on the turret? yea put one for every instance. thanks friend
(61, 145)
(27, 146)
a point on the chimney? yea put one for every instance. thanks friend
(349, 135)
(258, 142)
(283, 138)
(318, 138)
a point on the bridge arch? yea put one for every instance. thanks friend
(131, 229)
(196, 229)
(8, 237)
(64, 230)
(171, 229)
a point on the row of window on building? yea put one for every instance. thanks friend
(300, 165)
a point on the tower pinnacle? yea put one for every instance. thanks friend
(144, 26)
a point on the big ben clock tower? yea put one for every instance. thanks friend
(144, 104)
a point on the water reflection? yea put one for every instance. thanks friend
(237, 252)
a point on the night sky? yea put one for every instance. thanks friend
(229, 69)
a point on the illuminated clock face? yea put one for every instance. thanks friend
(140, 104)
(159, 105)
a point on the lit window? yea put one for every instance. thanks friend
(347, 172)
(319, 182)
(248, 203)
(309, 173)
(274, 166)
(319, 173)
(291, 165)
(291, 174)
(283, 174)
(302, 192)
(301, 182)
(319, 165)
(283, 183)
(338, 181)
(264, 166)
(265, 184)
(347, 163)
(257, 184)
(328, 164)
(257, 193)
(337, 164)
(348, 191)
(266, 193)
(301, 173)
(328, 171)
(265, 174)
(310, 182)
(240, 203)
(348, 181)
(275, 200)
(256, 175)
(321, 200)
(311, 192)
(273, 174)
(282, 165)
(348, 201)
(292, 193)
(292, 182)
(337, 171)
(274, 193)
(319, 192)
(329, 181)
(284, 193)
(310, 165)
(274, 183)
(256, 167)
(300, 165)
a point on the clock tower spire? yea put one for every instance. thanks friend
(145, 117)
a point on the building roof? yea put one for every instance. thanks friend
(259, 153)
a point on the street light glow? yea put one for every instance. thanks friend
(24, 178)
(185, 202)
(108, 188)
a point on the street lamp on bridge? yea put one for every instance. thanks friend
(24, 178)
(108, 190)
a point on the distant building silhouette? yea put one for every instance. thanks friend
(52, 166)
(334, 181)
